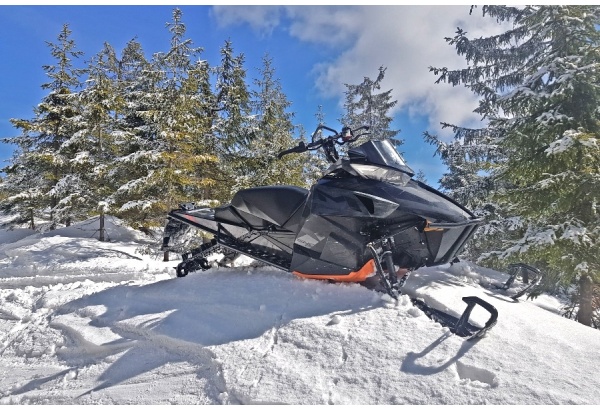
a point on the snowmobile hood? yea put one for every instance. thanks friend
(427, 202)
(413, 198)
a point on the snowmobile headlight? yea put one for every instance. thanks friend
(381, 174)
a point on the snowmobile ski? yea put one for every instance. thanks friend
(461, 326)
(530, 276)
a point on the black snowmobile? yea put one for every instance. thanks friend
(366, 217)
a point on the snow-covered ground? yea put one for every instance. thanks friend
(87, 322)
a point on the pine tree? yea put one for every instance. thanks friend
(420, 176)
(317, 163)
(538, 84)
(56, 121)
(364, 106)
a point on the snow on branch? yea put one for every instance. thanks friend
(141, 205)
(569, 139)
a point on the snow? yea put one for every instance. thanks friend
(562, 144)
(89, 322)
(569, 139)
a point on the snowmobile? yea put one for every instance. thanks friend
(366, 217)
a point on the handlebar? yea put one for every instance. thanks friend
(347, 135)
(300, 148)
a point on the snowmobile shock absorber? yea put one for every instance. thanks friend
(388, 246)
(388, 279)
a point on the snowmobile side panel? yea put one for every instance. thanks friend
(295, 221)
(329, 246)
(340, 222)
(453, 240)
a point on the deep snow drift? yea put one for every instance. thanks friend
(87, 322)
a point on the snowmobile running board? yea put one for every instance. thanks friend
(461, 326)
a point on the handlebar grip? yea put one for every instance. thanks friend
(301, 147)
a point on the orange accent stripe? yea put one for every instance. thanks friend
(363, 273)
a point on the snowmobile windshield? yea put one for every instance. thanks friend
(379, 153)
(379, 160)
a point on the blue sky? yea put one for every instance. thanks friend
(315, 51)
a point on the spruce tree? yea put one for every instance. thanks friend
(468, 159)
(538, 84)
(232, 118)
(272, 131)
(317, 162)
(56, 121)
(22, 189)
(174, 160)
(135, 129)
(94, 147)
(364, 106)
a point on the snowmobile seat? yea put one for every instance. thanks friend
(261, 207)
(227, 214)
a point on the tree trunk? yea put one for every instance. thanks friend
(31, 220)
(101, 238)
(166, 256)
(586, 291)
(53, 203)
